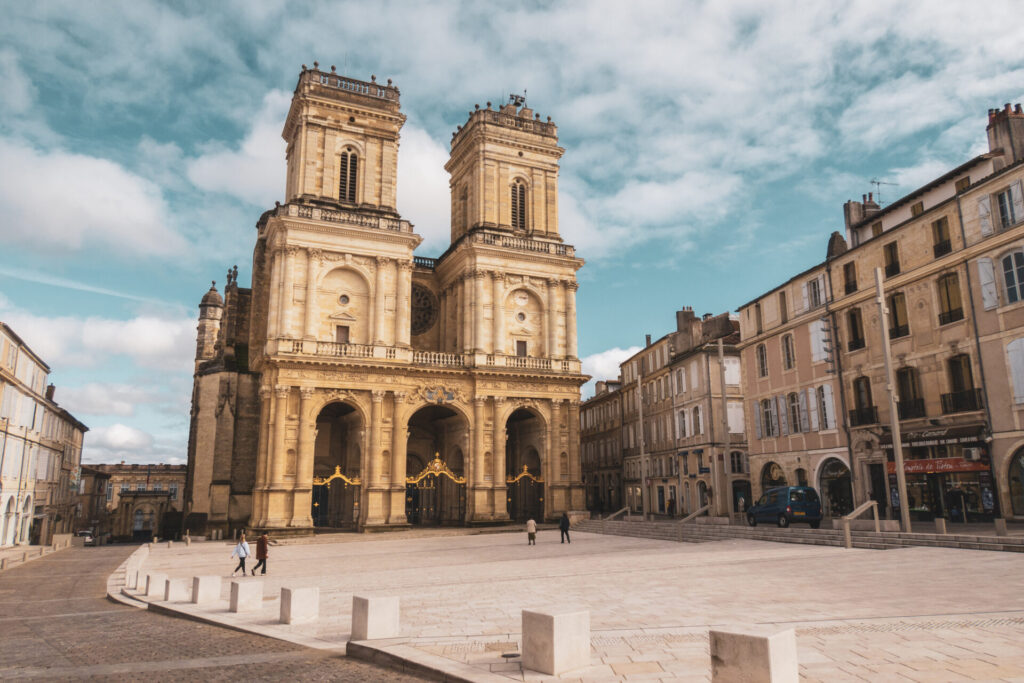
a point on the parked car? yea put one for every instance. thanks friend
(87, 537)
(785, 505)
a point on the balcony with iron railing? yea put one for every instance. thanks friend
(864, 416)
(892, 269)
(899, 331)
(951, 316)
(911, 408)
(855, 344)
(942, 248)
(962, 401)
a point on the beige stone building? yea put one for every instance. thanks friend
(138, 501)
(691, 449)
(40, 449)
(601, 447)
(952, 265)
(357, 385)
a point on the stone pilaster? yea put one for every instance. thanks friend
(379, 315)
(399, 447)
(311, 321)
(498, 481)
(570, 319)
(498, 311)
(403, 304)
(552, 341)
(375, 499)
(478, 299)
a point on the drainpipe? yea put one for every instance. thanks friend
(981, 363)
(837, 358)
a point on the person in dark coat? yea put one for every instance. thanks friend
(261, 554)
(563, 526)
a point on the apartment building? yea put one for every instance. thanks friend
(601, 447)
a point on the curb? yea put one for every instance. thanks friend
(398, 656)
(44, 551)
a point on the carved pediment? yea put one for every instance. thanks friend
(341, 315)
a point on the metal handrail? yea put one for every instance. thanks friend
(616, 514)
(694, 514)
(860, 509)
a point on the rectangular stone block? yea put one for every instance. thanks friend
(170, 543)
(374, 618)
(205, 589)
(940, 525)
(753, 655)
(300, 605)
(554, 643)
(131, 579)
(246, 596)
(1001, 527)
(176, 590)
(155, 584)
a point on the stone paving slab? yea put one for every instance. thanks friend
(906, 614)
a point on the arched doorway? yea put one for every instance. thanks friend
(435, 466)
(26, 521)
(836, 488)
(1016, 479)
(337, 467)
(702, 494)
(740, 495)
(772, 475)
(523, 465)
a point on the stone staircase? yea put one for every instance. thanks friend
(703, 533)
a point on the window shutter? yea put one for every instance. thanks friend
(985, 215)
(774, 414)
(812, 409)
(694, 383)
(756, 415)
(805, 425)
(987, 282)
(821, 288)
(1015, 352)
(830, 408)
(1018, 202)
(783, 418)
(803, 292)
(815, 329)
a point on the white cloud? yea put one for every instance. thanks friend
(254, 171)
(102, 398)
(423, 195)
(119, 437)
(120, 442)
(18, 90)
(68, 341)
(63, 201)
(604, 366)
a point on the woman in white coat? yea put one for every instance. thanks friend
(242, 551)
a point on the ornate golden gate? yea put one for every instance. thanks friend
(436, 495)
(525, 499)
(338, 507)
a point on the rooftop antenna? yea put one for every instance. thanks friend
(878, 188)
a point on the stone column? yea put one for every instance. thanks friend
(498, 310)
(263, 451)
(303, 491)
(399, 446)
(273, 305)
(478, 297)
(311, 321)
(570, 319)
(549, 466)
(403, 304)
(475, 475)
(376, 419)
(572, 424)
(378, 302)
(552, 318)
(285, 303)
(278, 458)
(442, 329)
(467, 314)
(498, 482)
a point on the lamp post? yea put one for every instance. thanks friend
(894, 418)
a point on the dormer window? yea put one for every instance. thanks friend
(518, 205)
(347, 176)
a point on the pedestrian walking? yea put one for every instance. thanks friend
(261, 554)
(531, 532)
(241, 551)
(563, 526)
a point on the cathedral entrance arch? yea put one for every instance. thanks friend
(336, 467)
(435, 491)
(524, 471)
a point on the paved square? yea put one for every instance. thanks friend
(922, 614)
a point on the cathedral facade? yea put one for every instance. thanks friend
(357, 385)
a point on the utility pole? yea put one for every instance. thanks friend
(640, 442)
(894, 418)
(726, 495)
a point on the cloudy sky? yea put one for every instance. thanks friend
(709, 149)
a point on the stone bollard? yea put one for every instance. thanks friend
(54, 547)
(176, 590)
(24, 557)
(246, 596)
(169, 543)
(188, 541)
(374, 618)
(300, 605)
(557, 642)
(940, 525)
(1001, 527)
(155, 584)
(754, 655)
(3, 564)
(847, 538)
(205, 589)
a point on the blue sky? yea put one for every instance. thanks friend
(709, 149)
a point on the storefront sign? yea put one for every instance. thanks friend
(940, 436)
(704, 470)
(939, 465)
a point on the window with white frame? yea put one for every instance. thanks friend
(1013, 276)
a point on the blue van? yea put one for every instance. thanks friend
(785, 505)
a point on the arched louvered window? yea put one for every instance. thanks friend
(518, 205)
(348, 174)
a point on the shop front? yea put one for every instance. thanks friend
(948, 473)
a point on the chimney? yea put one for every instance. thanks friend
(600, 388)
(1006, 133)
(648, 340)
(49, 392)
(683, 318)
(853, 212)
(707, 316)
